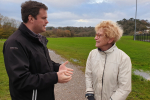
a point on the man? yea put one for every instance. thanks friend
(32, 74)
(108, 69)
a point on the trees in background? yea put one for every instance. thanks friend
(7, 26)
(57, 33)
(69, 31)
(128, 25)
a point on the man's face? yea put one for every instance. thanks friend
(101, 40)
(40, 22)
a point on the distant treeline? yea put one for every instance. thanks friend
(69, 32)
(7, 26)
(129, 25)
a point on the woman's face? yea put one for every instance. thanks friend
(102, 41)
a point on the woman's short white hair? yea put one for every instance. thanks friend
(111, 29)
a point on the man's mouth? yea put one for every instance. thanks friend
(44, 26)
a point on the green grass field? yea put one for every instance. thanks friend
(4, 83)
(138, 51)
(76, 50)
(79, 47)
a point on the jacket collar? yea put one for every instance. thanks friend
(109, 50)
(27, 32)
(35, 37)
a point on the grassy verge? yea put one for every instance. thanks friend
(140, 89)
(4, 83)
(138, 51)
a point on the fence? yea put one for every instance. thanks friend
(142, 37)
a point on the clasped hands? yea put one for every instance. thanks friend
(64, 73)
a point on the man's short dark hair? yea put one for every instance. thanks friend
(31, 8)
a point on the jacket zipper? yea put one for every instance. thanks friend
(45, 52)
(103, 75)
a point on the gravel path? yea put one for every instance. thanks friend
(74, 89)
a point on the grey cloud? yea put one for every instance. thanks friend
(63, 3)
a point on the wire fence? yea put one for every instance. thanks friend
(142, 37)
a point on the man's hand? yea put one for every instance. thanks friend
(63, 67)
(62, 78)
(64, 73)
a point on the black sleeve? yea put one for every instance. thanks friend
(55, 66)
(17, 66)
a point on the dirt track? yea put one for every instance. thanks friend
(74, 89)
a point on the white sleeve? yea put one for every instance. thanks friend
(88, 76)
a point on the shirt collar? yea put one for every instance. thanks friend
(111, 49)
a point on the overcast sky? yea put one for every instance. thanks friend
(82, 12)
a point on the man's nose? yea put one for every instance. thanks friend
(47, 21)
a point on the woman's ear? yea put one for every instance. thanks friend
(111, 40)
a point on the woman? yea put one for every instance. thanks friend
(108, 69)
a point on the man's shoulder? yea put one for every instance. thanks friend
(16, 36)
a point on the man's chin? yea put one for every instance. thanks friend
(44, 30)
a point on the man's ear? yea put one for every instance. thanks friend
(30, 18)
(111, 40)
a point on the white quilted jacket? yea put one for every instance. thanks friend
(108, 74)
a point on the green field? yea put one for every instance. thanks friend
(79, 47)
(4, 84)
(138, 51)
(76, 50)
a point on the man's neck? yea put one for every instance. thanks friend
(29, 27)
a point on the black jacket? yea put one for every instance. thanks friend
(32, 74)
